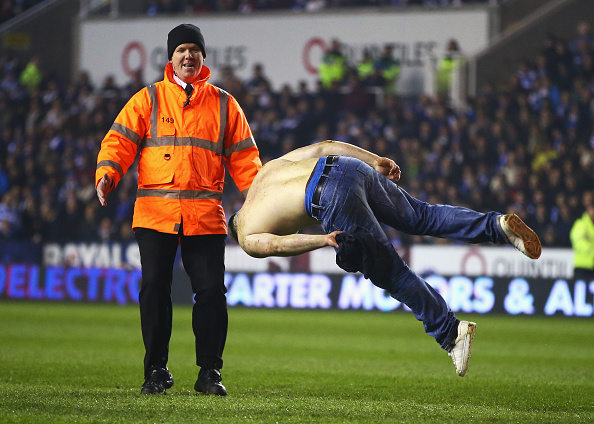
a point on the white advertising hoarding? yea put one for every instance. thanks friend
(290, 46)
(470, 260)
(502, 261)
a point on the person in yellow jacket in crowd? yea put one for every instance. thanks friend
(446, 65)
(388, 66)
(31, 76)
(334, 65)
(365, 68)
(582, 242)
(184, 130)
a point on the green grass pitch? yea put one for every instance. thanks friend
(82, 363)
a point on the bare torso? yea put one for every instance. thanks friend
(276, 201)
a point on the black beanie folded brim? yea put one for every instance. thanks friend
(184, 33)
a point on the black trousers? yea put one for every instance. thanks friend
(203, 258)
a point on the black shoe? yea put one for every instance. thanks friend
(159, 380)
(209, 383)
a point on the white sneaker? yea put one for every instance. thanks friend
(460, 353)
(520, 235)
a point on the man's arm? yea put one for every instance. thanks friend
(383, 165)
(265, 244)
(241, 154)
(120, 144)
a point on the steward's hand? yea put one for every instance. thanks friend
(104, 187)
(388, 167)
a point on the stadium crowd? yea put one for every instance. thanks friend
(526, 147)
(156, 7)
(12, 8)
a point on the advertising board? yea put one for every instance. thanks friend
(289, 45)
(511, 295)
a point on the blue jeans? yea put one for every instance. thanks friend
(354, 195)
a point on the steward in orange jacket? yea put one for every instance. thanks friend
(182, 145)
(185, 131)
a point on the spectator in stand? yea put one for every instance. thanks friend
(50, 92)
(258, 82)
(356, 97)
(585, 35)
(9, 61)
(164, 7)
(230, 82)
(365, 67)
(109, 89)
(309, 5)
(334, 65)
(563, 53)
(84, 80)
(31, 76)
(526, 75)
(245, 6)
(153, 8)
(542, 68)
(133, 86)
(303, 93)
(123, 234)
(106, 230)
(226, 5)
(388, 66)
(582, 241)
(10, 220)
(4, 181)
(11, 86)
(50, 232)
(562, 225)
(200, 6)
(55, 116)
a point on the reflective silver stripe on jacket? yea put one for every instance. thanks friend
(113, 164)
(125, 132)
(179, 194)
(242, 145)
(223, 101)
(180, 141)
(152, 90)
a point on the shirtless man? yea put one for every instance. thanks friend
(350, 191)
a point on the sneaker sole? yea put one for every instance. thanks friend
(470, 331)
(530, 240)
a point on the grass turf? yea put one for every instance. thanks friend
(73, 363)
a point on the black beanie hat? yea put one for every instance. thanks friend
(184, 33)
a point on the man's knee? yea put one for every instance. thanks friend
(155, 286)
(210, 296)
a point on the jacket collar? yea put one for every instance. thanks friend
(202, 77)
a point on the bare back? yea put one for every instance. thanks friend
(276, 201)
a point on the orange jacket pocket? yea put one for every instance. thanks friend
(155, 177)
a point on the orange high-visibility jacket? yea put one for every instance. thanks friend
(182, 149)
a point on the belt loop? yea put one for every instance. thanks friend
(316, 208)
(328, 166)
